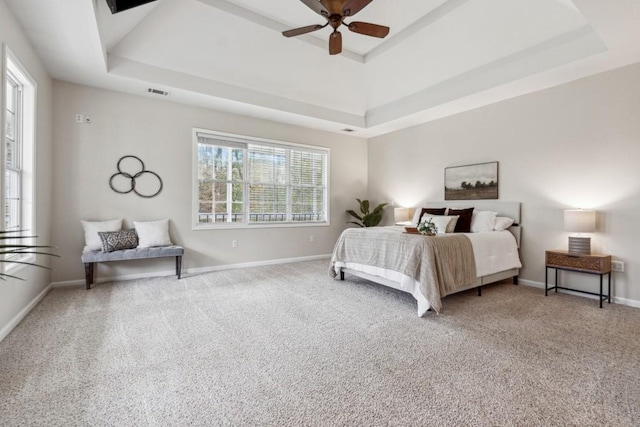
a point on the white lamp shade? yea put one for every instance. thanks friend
(401, 214)
(580, 221)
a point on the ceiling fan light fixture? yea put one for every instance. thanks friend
(335, 11)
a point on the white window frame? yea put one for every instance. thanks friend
(26, 132)
(228, 139)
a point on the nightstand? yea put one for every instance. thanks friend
(592, 264)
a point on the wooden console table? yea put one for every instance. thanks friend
(592, 264)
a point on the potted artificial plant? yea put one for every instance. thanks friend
(10, 245)
(367, 218)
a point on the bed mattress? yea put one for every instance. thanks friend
(494, 252)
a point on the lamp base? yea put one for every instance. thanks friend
(580, 245)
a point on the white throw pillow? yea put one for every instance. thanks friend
(444, 223)
(418, 211)
(502, 223)
(153, 233)
(92, 241)
(482, 221)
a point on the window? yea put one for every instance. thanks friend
(241, 181)
(12, 217)
(19, 133)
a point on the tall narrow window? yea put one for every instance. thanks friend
(19, 134)
(251, 181)
(13, 163)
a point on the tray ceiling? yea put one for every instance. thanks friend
(440, 58)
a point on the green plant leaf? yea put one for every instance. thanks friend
(374, 219)
(364, 206)
(20, 249)
(379, 208)
(356, 223)
(354, 214)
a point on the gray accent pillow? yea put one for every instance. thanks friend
(118, 240)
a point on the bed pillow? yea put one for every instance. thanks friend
(153, 233)
(92, 240)
(444, 223)
(427, 211)
(482, 221)
(502, 223)
(118, 240)
(464, 222)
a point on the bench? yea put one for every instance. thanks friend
(91, 258)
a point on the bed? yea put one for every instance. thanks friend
(430, 268)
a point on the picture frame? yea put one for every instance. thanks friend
(477, 181)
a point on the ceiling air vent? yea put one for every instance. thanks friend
(157, 91)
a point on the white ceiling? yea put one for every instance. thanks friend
(441, 56)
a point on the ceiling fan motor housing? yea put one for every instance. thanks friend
(335, 11)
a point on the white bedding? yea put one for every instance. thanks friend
(493, 251)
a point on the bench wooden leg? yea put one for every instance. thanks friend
(88, 273)
(179, 266)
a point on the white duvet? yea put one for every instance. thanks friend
(494, 251)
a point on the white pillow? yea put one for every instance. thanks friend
(444, 223)
(502, 223)
(482, 221)
(418, 211)
(92, 239)
(153, 233)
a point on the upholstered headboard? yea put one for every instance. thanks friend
(504, 208)
(509, 209)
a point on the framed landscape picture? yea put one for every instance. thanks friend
(471, 182)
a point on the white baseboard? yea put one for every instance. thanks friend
(6, 330)
(81, 282)
(615, 299)
(256, 263)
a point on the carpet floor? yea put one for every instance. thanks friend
(287, 345)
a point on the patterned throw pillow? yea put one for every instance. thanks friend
(118, 240)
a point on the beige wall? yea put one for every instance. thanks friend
(160, 133)
(15, 295)
(574, 146)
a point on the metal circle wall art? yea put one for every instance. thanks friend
(129, 180)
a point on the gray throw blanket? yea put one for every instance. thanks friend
(441, 264)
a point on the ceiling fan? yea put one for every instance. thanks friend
(335, 12)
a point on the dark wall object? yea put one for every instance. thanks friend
(131, 177)
(120, 5)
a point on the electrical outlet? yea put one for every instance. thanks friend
(234, 243)
(312, 238)
(79, 118)
(617, 266)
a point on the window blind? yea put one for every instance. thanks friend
(253, 182)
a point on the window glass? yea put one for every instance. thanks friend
(278, 182)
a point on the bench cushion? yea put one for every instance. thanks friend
(126, 254)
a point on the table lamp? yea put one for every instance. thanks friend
(401, 216)
(579, 221)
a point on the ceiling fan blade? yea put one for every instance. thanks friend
(354, 6)
(302, 30)
(335, 43)
(368, 29)
(316, 6)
